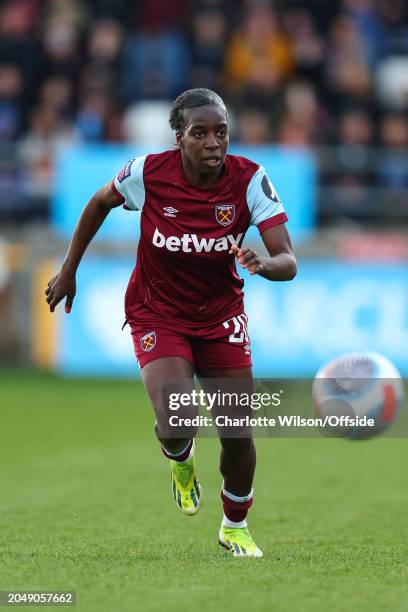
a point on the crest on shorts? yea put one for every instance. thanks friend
(225, 213)
(148, 341)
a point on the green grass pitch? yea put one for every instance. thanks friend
(85, 504)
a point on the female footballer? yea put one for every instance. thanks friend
(184, 301)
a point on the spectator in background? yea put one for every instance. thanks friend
(307, 45)
(93, 112)
(157, 57)
(93, 79)
(355, 129)
(209, 29)
(20, 47)
(348, 79)
(63, 21)
(72, 13)
(104, 54)
(13, 202)
(20, 72)
(253, 127)
(46, 137)
(394, 26)
(292, 133)
(346, 43)
(61, 51)
(263, 91)
(351, 174)
(57, 93)
(105, 42)
(62, 26)
(258, 56)
(114, 128)
(301, 114)
(99, 99)
(393, 166)
(11, 84)
(365, 17)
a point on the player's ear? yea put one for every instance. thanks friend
(179, 139)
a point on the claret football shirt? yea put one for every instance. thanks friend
(185, 271)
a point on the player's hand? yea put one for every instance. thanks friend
(60, 286)
(248, 259)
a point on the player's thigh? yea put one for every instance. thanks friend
(166, 361)
(224, 368)
(163, 372)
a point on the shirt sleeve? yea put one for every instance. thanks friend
(129, 184)
(265, 206)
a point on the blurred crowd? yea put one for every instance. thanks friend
(295, 72)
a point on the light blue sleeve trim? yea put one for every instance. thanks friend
(131, 186)
(260, 206)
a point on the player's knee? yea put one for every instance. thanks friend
(171, 436)
(237, 446)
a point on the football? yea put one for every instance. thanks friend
(357, 394)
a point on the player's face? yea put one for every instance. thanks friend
(205, 138)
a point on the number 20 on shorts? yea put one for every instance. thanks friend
(240, 333)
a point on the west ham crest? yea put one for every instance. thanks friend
(148, 341)
(225, 213)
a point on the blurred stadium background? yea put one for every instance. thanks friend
(317, 92)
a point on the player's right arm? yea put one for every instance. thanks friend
(94, 214)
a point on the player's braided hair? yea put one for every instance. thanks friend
(191, 98)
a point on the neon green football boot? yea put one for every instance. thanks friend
(239, 541)
(185, 486)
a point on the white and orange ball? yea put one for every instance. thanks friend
(359, 384)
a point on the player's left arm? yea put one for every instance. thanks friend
(281, 263)
(268, 215)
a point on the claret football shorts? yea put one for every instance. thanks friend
(225, 346)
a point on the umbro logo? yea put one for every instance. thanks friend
(169, 211)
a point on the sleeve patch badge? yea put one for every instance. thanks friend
(269, 189)
(126, 171)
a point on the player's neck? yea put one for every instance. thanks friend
(199, 179)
